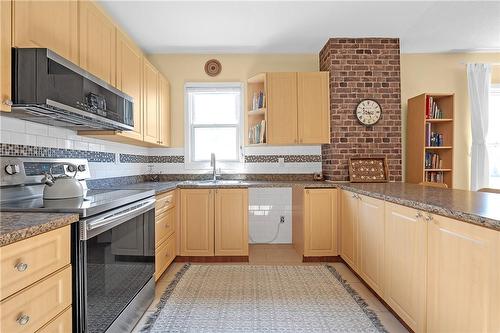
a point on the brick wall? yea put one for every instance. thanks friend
(362, 68)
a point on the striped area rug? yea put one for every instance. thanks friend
(249, 298)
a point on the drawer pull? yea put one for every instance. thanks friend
(23, 319)
(21, 267)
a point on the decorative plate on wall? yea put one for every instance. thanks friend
(213, 67)
(368, 170)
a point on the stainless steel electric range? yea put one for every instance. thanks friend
(112, 244)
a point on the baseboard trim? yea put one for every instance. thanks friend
(201, 259)
(321, 259)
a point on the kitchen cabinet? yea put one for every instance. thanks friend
(129, 79)
(47, 24)
(406, 264)
(231, 222)
(463, 292)
(164, 111)
(197, 222)
(60, 324)
(165, 235)
(320, 222)
(151, 103)
(349, 229)
(97, 37)
(371, 223)
(214, 222)
(281, 108)
(313, 100)
(5, 54)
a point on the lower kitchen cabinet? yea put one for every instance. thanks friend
(349, 228)
(165, 235)
(463, 292)
(60, 324)
(214, 222)
(371, 241)
(231, 222)
(406, 264)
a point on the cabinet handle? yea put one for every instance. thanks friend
(429, 218)
(21, 267)
(354, 195)
(23, 319)
(418, 215)
(7, 102)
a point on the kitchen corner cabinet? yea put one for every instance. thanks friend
(313, 100)
(406, 264)
(47, 24)
(320, 222)
(129, 79)
(214, 222)
(197, 222)
(97, 42)
(282, 108)
(5, 54)
(463, 292)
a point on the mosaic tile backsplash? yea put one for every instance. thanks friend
(34, 151)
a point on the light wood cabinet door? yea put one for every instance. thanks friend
(164, 113)
(61, 324)
(151, 103)
(164, 255)
(463, 277)
(197, 222)
(47, 24)
(5, 54)
(27, 261)
(231, 222)
(406, 264)
(349, 229)
(281, 108)
(371, 214)
(38, 303)
(97, 42)
(129, 79)
(313, 100)
(320, 222)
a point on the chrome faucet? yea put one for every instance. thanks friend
(212, 164)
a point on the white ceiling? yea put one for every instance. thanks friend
(305, 26)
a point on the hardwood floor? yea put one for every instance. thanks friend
(278, 254)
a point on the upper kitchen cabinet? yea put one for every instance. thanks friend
(288, 108)
(313, 100)
(129, 78)
(282, 108)
(151, 103)
(47, 24)
(164, 112)
(97, 41)
(5, 54)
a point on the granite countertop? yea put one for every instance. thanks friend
(473, 207)
(16, 226)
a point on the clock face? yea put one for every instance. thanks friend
(368, 112)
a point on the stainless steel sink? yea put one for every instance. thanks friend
(210, 182)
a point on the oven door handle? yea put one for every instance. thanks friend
(130, 211)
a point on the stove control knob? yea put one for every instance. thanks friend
(12, 169)
(81, 167)
(71, 168)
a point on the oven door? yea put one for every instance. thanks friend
(116, 267)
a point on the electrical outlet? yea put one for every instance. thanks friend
(282, 219)
(281, 161)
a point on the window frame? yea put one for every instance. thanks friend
(189, 162)
(494, 90)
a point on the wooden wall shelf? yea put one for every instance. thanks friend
(420, 123)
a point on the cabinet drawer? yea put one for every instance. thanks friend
(164, 226)
(164, 202)
(37, 304)
(61, 324)
(164, 255)
(29, 260)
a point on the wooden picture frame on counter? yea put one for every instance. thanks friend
(368, 170)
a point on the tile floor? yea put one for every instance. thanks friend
(284, 254)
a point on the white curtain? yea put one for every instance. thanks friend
(478, 79)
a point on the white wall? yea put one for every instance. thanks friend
(266, 205)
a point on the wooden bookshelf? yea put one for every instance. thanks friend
(418, 143)
(255, 116)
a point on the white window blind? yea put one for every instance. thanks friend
(493, 139)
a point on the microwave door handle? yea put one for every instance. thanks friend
(117, 216)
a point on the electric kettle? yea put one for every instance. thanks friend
(62, 186)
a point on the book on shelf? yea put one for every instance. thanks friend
(433, 139)
(256, 134)
(433, 161)
(434, 176)
(262, 131)
(432, 110)
(258, 101)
